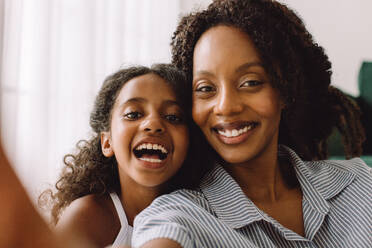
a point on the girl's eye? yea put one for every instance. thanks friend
(204, 88)
(174, 118)
(134, 115)
(250, 83)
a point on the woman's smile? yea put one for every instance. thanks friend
(235, 132)
(234, 102)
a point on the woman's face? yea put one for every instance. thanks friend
(148, 135)
(234, 103)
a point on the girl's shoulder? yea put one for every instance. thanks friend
(91, 216)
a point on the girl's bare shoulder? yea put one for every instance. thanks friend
(92, 216)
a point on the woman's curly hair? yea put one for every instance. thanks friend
(298, 68)
(88, 171)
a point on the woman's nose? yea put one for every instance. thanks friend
(228, 102)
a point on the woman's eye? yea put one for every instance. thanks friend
(174, 118)
(133, 115)
(204, 88)
(251, 83)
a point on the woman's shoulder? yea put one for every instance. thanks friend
(183, 196)
(92, 216)
(331, 177)
(355, 166)
(177, 202)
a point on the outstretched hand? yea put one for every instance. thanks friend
(20, 224)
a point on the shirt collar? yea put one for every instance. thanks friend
(228, 200)
(318, 180)
(321, 179)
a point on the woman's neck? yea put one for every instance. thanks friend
(261, 178)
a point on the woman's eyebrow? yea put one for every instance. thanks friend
(204, 73)
(248, 65)
(241, 68)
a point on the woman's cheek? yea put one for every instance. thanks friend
(200, 112)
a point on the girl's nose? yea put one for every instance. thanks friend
(153, 125)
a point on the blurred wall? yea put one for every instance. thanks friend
(344, 29)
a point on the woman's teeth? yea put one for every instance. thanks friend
(235, 132)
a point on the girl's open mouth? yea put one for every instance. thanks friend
(150, 152)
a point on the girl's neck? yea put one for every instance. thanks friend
(135, 198)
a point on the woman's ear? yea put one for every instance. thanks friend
(106, 144)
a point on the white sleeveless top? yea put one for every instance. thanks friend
(125, 234)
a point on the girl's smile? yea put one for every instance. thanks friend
(153, 152)
(148, 135)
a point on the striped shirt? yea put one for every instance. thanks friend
(336, 205)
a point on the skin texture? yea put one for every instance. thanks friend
(297, 65)
(226, 91)
(145, 111)
(230, 85)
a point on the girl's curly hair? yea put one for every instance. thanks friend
(88, 171)
(298, 68)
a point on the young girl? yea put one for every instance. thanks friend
(140, 141)
(263, 100)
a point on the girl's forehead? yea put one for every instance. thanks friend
(147, 88)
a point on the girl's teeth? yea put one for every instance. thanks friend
(152, 160)
(152, 147)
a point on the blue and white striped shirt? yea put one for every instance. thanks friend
(337, 211)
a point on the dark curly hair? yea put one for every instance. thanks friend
(297, 66)
(88, 171)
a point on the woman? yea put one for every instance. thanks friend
(263, 100)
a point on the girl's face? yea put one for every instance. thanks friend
(148, 135)
(234, 103)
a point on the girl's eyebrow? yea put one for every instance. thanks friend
(170, 102)
(132, 100)
(143, 100)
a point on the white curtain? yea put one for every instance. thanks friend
(54, 57)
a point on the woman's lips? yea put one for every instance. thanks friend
(234, 133)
